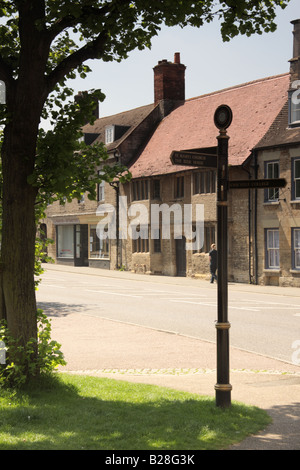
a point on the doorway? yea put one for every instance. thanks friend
(81, 245)
(180, 256)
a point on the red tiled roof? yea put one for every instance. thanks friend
(254, 105)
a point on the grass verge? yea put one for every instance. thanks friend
(70, 412)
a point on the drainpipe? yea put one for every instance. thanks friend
(118, 225)
(116, 186)
(255, 219)
(255, 251)
(249, 228)
(249, 232)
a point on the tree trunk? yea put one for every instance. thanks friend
(25, 97)
(18, 238)
(18, 302)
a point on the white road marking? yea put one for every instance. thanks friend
(214, 305)
(113, 293)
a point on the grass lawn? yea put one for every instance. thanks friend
(73, 412)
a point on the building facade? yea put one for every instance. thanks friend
(140, 226)
(277, 214)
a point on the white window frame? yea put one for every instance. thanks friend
(101, 189)
(109, 134)
(272, 249)
(294, 105)
(296, 181)
(272, 193)
(296, 248)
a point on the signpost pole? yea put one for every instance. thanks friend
(217, 157)
(222, 387)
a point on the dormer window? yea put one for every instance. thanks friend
(109, 134)
(294, 104)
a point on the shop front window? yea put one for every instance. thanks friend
(99, 246)
(65, 241)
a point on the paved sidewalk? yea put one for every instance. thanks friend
(106, 348)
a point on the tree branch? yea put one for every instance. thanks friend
(92, 50)
(70, 21)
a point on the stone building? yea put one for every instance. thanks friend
(264, 225)
(276, 211)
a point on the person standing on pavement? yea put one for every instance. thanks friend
(213, 263)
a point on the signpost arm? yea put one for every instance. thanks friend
(222, 387)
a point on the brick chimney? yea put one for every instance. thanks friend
(295, 61)
(169, 81)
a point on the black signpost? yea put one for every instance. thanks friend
(188, 158)
(265, 183)
(222, 118)
(219, 160)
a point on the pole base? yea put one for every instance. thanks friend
(223, 395)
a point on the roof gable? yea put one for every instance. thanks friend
(127, 120)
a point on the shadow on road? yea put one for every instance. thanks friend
(58, 309)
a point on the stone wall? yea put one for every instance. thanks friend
(165, 262)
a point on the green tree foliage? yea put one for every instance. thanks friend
(64, 164)
(18, 364)
(44, 43)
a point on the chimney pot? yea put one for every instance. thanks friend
(177, 58)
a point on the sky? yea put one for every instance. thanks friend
(211, 65)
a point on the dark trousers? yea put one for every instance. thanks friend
(213, 274)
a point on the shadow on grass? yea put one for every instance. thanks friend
(81, 413)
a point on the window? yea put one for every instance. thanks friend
(294, 105)
(272, 249)
(140, 190)
(296, 248)
(156, 189)
(65, 241)
(157, 241)
(179, 187)
(99, 247)
(204, 182)
(100, 189)
(271, 171)
(296, 178)
(209, 238)
(141, 244)
(109, 134)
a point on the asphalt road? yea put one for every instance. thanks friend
(264, 320)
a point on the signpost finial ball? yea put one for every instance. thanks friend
(223, 117)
